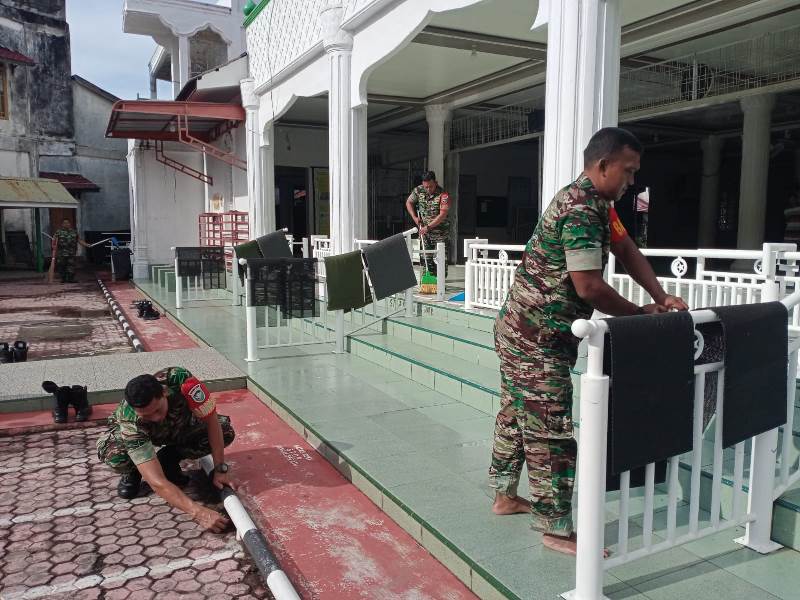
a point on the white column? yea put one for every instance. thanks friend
(179, 63)
(358, 189)
(255, 206)
(582, 83)
(709, 191)
(338, 47)
(268, 178)
(754, 171)
(141, 262)
(437, 116)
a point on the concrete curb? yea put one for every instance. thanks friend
(137, 345)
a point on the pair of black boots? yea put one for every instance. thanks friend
(65, 396)
(146, 310)
(16, 353)
(130, 483)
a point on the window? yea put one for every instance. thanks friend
(3, 91)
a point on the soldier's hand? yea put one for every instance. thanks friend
(675, 303)
(654, 309)
(220, 480)
(210, 519)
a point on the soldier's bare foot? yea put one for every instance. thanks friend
(565, 545)
(506, 505)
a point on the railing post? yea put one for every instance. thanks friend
(409, 293)
(339, 332)
(762, 465)
(441, 270)
(306, 250)
(235, 279)
(468, 284)
(591, 472)
(250, 322)
(178, 286)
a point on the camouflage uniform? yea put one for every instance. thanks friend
(65, 253)
(428, 207)
(131, 441)
(537, 349)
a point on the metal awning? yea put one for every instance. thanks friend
(193, 124)
(170, 121)
(72, 181)
(20, 192)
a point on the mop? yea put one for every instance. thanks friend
(427, 283)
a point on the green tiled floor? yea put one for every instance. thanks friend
(428, 453)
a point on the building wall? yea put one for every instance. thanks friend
(172, 203)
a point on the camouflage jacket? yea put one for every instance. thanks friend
(67, 242)
(428, 207)
(572, 234)
(140, 437)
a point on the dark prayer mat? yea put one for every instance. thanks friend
(287, 284)
(246, 251)
(756, 363)
(346, 283)
(389, 266)
(188, 262)
(650, 361)
(274, 245)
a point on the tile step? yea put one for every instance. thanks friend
(475, 385)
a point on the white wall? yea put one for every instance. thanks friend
(173, 203)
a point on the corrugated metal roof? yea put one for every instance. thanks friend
(20, 192)
(71, 181)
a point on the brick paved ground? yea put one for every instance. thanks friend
(26, 303)
(65, 534)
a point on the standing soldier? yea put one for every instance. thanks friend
(174, 410)
(65, 247)
(560, 280)
(428, 206)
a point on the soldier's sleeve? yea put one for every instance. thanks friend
(136, 443)
(582, 236)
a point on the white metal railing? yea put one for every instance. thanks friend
(330, 327)
(591, 510)
(194, 286)
(488, 273)
(492, 126)
(703, 287)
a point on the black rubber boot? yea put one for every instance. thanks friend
(129, 485)
(20, 351)
(6, 354)
(61, 400)
(171, 465)
(80, 401)
(150, 313)
(143, 306)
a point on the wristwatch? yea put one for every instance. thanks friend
(222, 468)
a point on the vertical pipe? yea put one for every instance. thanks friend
(340, 331)
(788, 428)
(672, 500)
(738, 476)
(716, 481)
(250, 322)
(468, 283)
(591, 473)
(649, 493)
(697, 452)
(624, 507)
(178, 286)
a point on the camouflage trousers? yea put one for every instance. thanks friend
(534, 425)
(191, 444)
(65, 266)
(430, 244)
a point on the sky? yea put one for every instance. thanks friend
(103, 54)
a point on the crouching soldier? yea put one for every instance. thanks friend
(174, 410)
